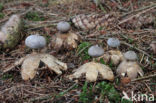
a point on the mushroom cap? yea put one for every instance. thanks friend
(63, 26)
(95, 51)
(113, 42)
(130, 55)
(35, 41)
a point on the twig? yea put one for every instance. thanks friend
(138, 10)
(40, 98)
(18, 62)
(119, 5)
(41, 26)
(131, 4)
(136, 15)
(50, 96)
(22, 14)
(138, 49)
(69, 89)
(149, 89)
(145, 77)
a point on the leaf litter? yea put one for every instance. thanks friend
(135, 26)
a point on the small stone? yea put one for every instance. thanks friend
(35, 41)
(63, 26)
(130, 55)
(113, 42)
(95, 51)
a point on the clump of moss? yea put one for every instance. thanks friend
(34, 16)
(102, 90)
(1, 8)
(83, 50)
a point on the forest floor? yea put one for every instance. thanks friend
(42, 16)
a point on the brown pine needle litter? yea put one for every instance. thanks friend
(133, 22)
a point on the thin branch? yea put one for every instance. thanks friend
(145, 77)
(136, 15)
(50, 96)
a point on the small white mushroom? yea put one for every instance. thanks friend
(113, 42)
(130, 55)
(63, 26)
(35, 41)
(129, 68)
(95, 51)
(92, 70)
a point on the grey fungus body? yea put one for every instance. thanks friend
(130, 55)
(113, 42)
(95, 51)
(63, 26)
(35, 41)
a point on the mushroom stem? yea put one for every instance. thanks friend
(94, 60)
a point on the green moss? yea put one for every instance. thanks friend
(34, 16)
(1, 7)
(83, 50)
(102, 61)
(2, 15)
(86, 96)
(107, 90)
(7, 76)
(101, 90)
(126, 101)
